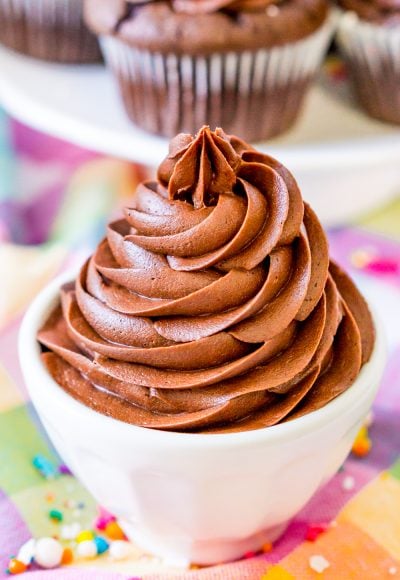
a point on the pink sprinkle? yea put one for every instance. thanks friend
(383, 266)
(315, 530)
(102, 522)
(103, 519)
(248, 555)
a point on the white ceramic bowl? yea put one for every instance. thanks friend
(194, 497)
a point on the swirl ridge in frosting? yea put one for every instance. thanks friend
(212, 305)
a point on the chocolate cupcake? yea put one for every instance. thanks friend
(212, 306)
(48, 29)
(369, 39)
(242, 64)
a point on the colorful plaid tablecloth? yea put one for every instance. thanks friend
(54, 201)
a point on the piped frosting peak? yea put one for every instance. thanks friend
(199, 168)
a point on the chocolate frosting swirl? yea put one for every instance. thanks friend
(212, 305)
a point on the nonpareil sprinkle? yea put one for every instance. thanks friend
(56, 515)
(315, 530)
(44, 467)
(362, 444)
(64, 469)
(348, 483)
(318, 563)
(101, 544)
(84, 536)
(16, 566)
(119, 550)
(67, 556)
(114, 532)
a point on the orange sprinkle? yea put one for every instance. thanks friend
(16, 566)
(362, 444)
(67, 556)
(50, 497)
(361, 448)
(267, 547)
(114, 532)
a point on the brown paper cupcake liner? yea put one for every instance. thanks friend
(372, 53)
(255, 94)
(48, 29)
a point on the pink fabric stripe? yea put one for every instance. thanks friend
(13, 532)
(344, 242)
(44, 148)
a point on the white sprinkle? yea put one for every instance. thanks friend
(272, 10)
(318, 563)
(69, 532)
(87, 549)
(26, 552)
(392, 570)
(119, 550)
(48, 552)
(348, 483)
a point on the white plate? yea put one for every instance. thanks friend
(345, 162)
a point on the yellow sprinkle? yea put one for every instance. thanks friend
(277, 573)
(84, 536)
(363, 432)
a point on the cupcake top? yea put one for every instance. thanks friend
(211, 306)
(386, 12)
(205, 26)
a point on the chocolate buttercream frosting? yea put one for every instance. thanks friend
(211, 306)
(205, 26)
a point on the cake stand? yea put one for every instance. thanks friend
(345, 163)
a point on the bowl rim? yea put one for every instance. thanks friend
(367, 383)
